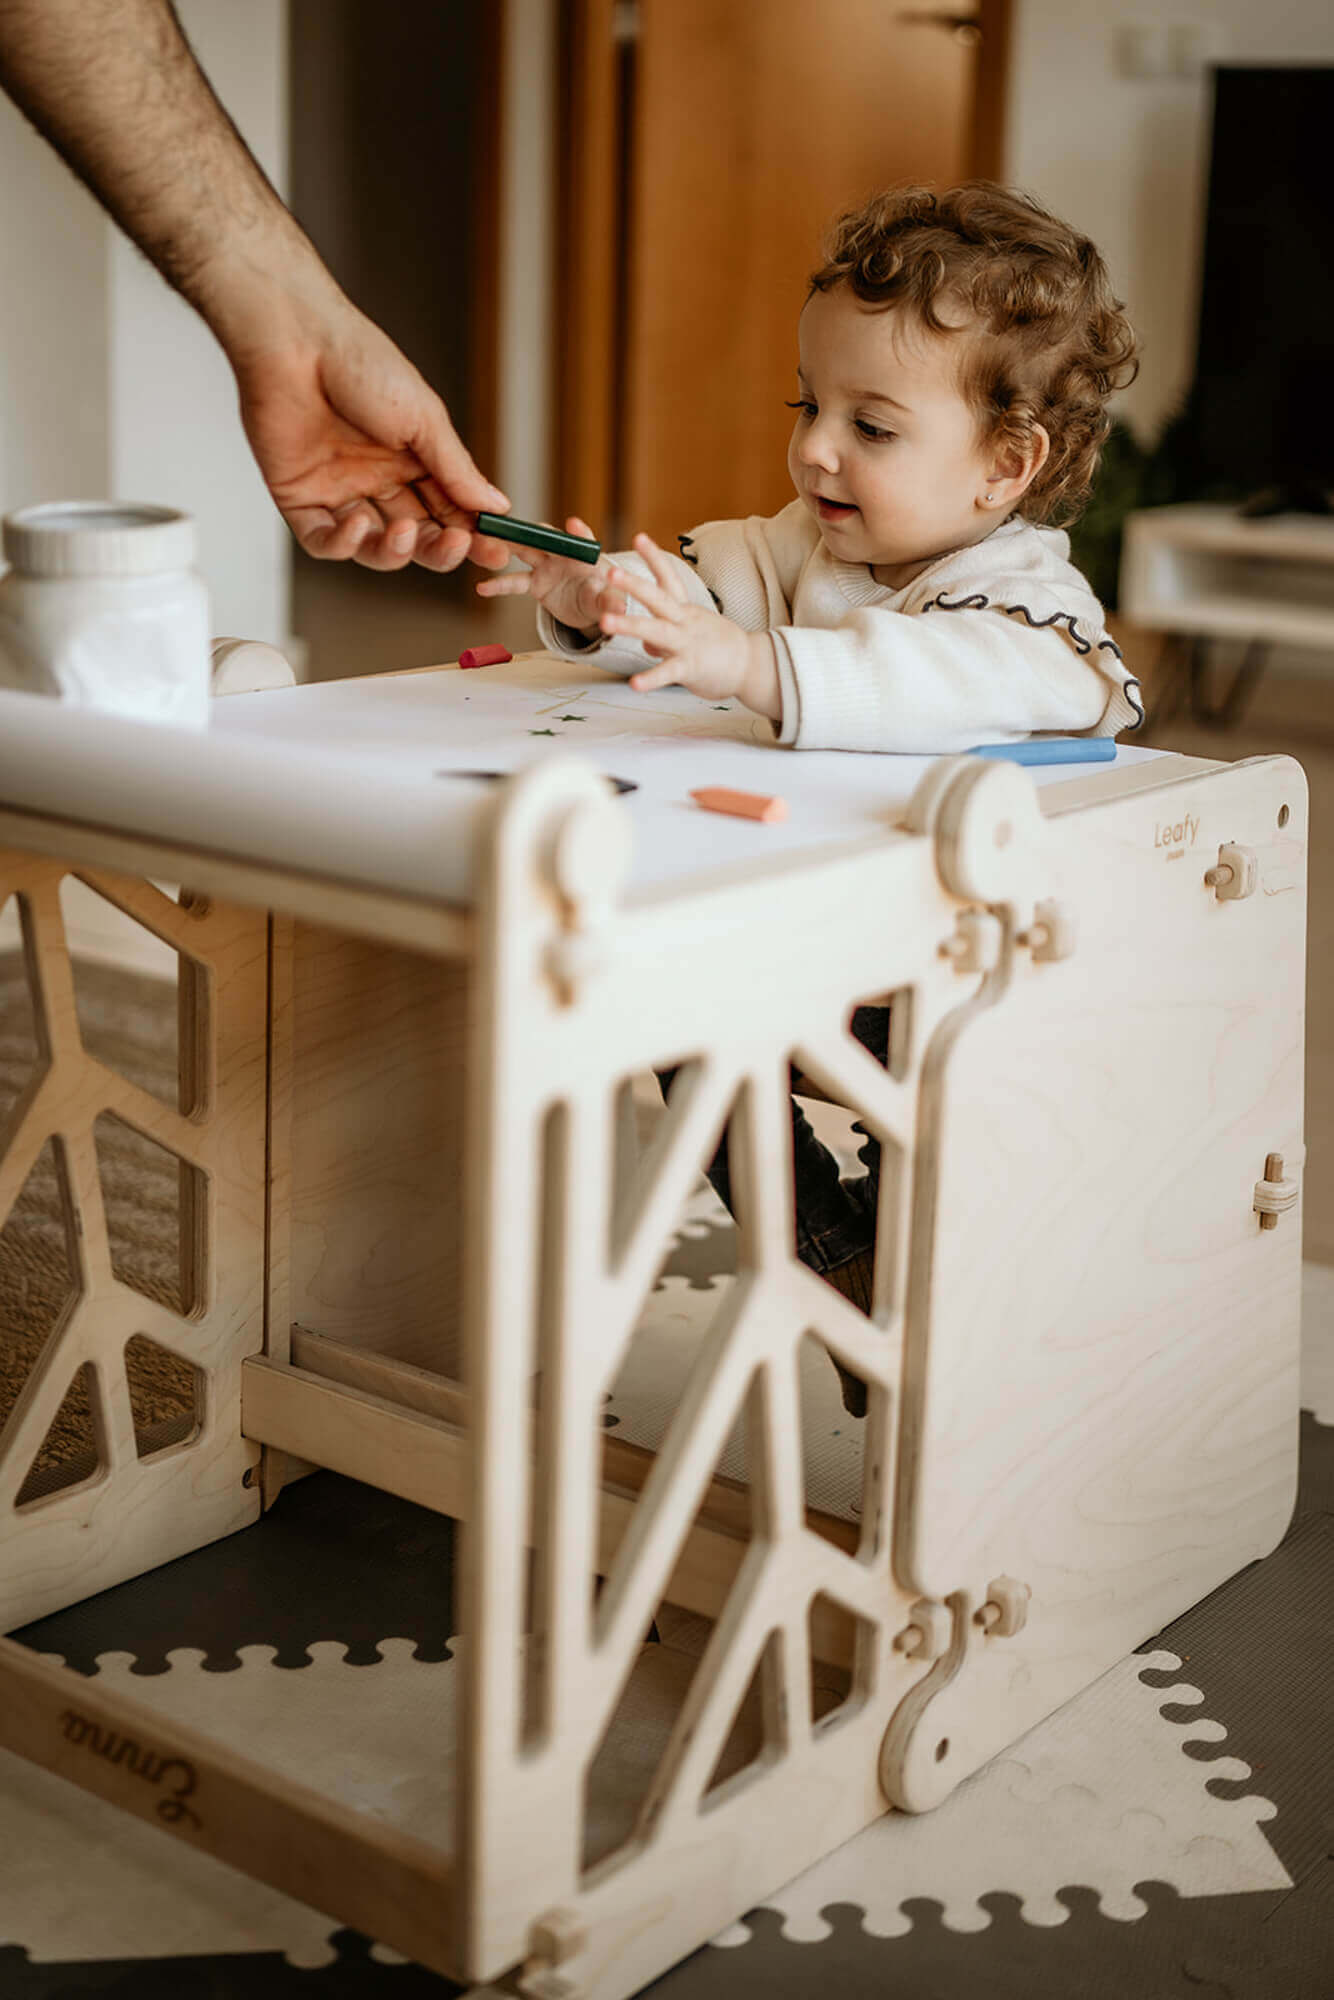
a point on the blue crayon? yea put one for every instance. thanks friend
(1052, 750)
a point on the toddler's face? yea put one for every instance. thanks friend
(885, 452)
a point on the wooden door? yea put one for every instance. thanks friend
(709, 144)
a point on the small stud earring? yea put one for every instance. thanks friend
(991, 496)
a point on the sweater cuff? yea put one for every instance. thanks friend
(564, 640)
(824, 693)
(788, 726)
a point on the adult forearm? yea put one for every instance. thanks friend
(114, 87)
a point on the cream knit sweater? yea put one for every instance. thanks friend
(1015, 643)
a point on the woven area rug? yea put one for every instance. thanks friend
(127, 1021)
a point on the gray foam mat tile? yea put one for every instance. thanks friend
(1315, 1490)
(1260, 1648)
(703, 1252)
(1263, 1947)
(1287, 1957)
(354, 1975)
(1088, 1957)
(333, 1560)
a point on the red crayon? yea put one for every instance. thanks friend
(484, 656)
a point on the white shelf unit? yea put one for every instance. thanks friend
(1207, 572)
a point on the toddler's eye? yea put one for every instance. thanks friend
(872, 432)
(807, 408)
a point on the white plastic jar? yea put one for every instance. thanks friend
(102, 606)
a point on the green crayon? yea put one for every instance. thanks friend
(533, 535)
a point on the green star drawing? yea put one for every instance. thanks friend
(542, 732)
(574, 718)
(723, 705)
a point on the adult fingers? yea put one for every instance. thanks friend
(514, 583)
(333, 536)
(437, 503)
(393, 548)
(440, 549)
(489, 553)
(457, 537)
(408, 532)
(358, 531)
(450, 464)
(443, 549)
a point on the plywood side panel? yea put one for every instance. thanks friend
(376, 1146)
(1103, 1377)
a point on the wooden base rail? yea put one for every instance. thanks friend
(345, 1863)
(405, 1430)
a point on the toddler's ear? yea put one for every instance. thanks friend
(1015, 465)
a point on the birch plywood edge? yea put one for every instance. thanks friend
(1095, 786)
(436, 928)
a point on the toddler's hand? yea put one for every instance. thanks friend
(575, 594)
(699, 649)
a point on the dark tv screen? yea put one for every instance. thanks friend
(1263, 399)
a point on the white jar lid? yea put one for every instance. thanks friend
(98, 538)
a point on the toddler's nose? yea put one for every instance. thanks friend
(815, 447)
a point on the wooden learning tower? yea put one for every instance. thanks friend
(421, 1233)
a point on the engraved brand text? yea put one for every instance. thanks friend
(1182, 834)
(174, 1773)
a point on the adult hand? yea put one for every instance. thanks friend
(359, 452)
(697, 647)
(575, 594)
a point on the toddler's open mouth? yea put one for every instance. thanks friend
(833, 510)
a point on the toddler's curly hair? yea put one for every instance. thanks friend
(1046, 341)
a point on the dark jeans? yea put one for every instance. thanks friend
(835, 1219)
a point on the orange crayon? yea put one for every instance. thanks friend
(745, 805)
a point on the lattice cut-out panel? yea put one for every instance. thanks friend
(141, 1002)
(653, 1720)
(667, 1733)
(23, 1055)
(154, 1202)
(853, 1127)
(843, 1661)
(587, 1212)
(132, 1178)
(166, 1395)
(71, 1451)
(40, 1286)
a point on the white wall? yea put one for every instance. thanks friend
(526, 324)
(175, 434)
(53, 325)
(1125, 159)
(109, 384)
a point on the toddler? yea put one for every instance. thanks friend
(957, 352)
